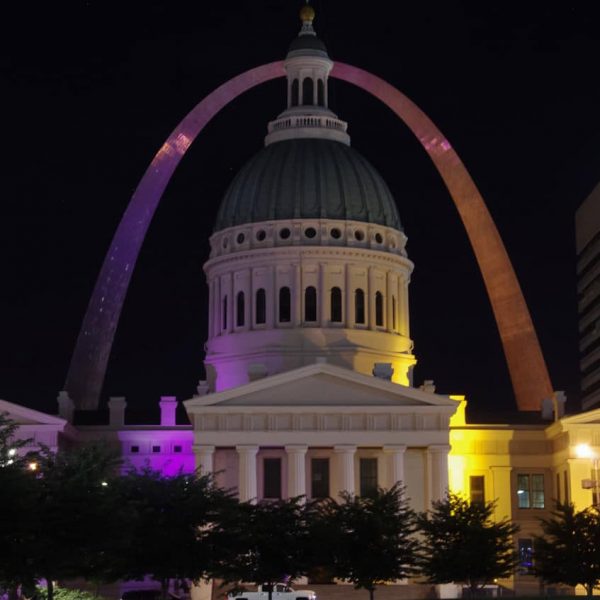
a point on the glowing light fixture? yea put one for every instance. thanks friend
(584, 451)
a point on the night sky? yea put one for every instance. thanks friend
(90, 91)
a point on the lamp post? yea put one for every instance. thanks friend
(585, 451)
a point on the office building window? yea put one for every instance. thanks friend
(272, 478)
(320, 478)
(530, 490)
(368, 476)
(477, 489)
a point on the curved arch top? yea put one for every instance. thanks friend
(527, 368)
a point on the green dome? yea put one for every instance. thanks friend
(307, 178)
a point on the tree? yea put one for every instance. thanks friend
(568, 551)
(171, 529)
(367, 539)
(69, 505)
(267, 542)
(462, 543)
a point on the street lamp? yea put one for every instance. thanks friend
(585, 451)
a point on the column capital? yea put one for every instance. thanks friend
(201, 449)
(247, 449)
(394, 449)
(296, 449)
(438, 448)
(344, 449)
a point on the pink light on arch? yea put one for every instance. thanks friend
(527, 368)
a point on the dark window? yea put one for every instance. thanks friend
(530, 490)
(320, 478)
(394, 313)
(525, 556)
(285, 302)
(155, 449)
(336, 305)
(307, 91)
(310, 232)
(359, 306)
(135, 449)
(295, 92)
(176, 448)
(310, 304)
(240, 238)
(261, 306)
(284, 233)
(320, 93)
(240, 309)
(477, 489)
(368, 476)
(378, 309)
(261, 235)
(566, 487)
(272, 478)
(378, 238)
(336, 234)
(225, 312)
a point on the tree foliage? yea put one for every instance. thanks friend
(171, 526)
(268, 542)
(462, 543)
(568, 551)
(367, 539)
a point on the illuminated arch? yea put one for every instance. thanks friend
(527, 368)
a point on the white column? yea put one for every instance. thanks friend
(395, 464)
(437, 463)
(345, 468)
(296, 470)
(247, 480)
(204, 458)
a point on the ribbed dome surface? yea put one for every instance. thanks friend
(311, 179)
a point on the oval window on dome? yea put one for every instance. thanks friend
(379, 238)
(359, 234)
(240, 238)
(261, 234)
(310, 232)
(285, 233)
(336, 234)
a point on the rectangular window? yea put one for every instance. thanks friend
(477, 489)
(368, 476)
(272, 478)
(320, 478)
(135, 449)
(156, 449)
(525, 556)
(530, 490)
(176, 448)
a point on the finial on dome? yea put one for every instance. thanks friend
(307, 16)
(307, 13)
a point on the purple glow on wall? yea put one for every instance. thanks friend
(529, 375)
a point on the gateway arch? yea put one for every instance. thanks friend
(528, 372)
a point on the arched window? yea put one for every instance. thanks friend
(295, 92)
(359, 307)
(394, 313)
(307, 91)
(240, 309)
(261, 307)
(224, 313)
(310, 304)
(285, 301)
(320, 93)
(378, 309)
(336, 305)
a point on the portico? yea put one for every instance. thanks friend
(320, 430)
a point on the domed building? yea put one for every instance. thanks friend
(308, 258)
(309, 355)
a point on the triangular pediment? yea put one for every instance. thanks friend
(321, 385)
(28, 416)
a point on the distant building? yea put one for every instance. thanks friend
(587, 237)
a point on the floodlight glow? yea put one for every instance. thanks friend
(584, 451)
